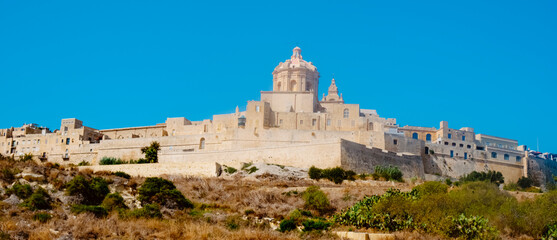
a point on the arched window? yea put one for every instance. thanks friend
(493, 155)
(202, 143)
(346, 113)
(428, 137)
(415, 135)
(293, 85)
(371, 126)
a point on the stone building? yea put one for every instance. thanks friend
(288, 126)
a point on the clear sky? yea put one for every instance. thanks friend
(490, 65)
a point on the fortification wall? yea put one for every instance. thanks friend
(323, 154)
(541, 170)
(201, 169)
(361, 159)
(456, 167)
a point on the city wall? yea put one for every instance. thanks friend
(361, 159)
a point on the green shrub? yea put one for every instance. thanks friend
(251, 170)
(98, 211)
(475, 227)
(90, 192)
(249, 212)
(8, 174)
(432, 187)
(26, 157)
(315, 225)
(550, 232)
(525, 182)
(38, 200)
(315, 199)
(113, 201)
(490, 176)
(147, 211)
(386, 212)
(163, 192)
(287, 225)
(314, 173)
(111, 161)
(449, 182)
(229, 170)
(336, 175)
(511, 187)
(151, 152)
(22, 191)
(388, 173)
(248, 168)
(42, 217)
(362, 176)
(83, 163)
(122, 175)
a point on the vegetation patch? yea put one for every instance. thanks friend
(229, 170)
(389, 173)
(151, 152)
(42, 217)
(162, 192)
(22, 191)
(38, 200)
(336, 175)
(98, 211)
(315, 199)
(147, 211)
(489, 176)
(90, 192)
(122, 175)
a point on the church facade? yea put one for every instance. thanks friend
(291, 125)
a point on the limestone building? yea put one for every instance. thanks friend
(288, 126)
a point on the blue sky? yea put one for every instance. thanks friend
(490, 65)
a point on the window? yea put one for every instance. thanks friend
(415, 135)
(493, 155)
(313, 122)
(257, 109)
(461, 145)
(202, 143)
(450, 136)
(468, 146)
(328, 122)
(465, 155)
(506, 156)
(301, 122)
(518, 158)
(452, 153)
(454, 144)
(395, 142)
(280, 121)
(428, 137)
(463, 138)
(426, 150)
(446, 143)
(346, 113)
(370, 126)
(67, 141)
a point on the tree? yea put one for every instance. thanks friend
(151, 152)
